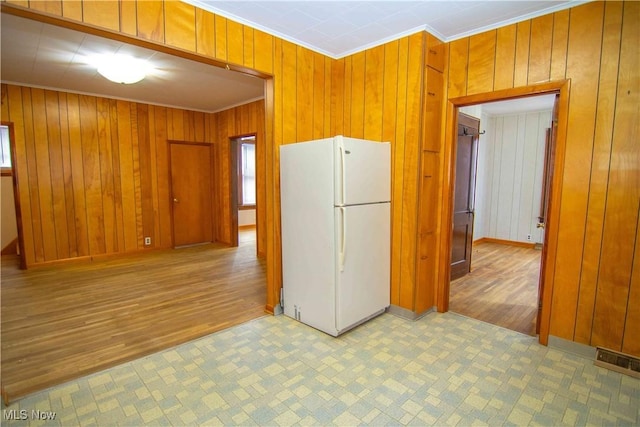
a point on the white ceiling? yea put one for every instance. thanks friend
(516, 106)
(47, 56)
(340, 28)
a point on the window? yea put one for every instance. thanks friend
(247, 171)
(5, 151)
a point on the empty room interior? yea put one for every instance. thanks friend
(199, 242)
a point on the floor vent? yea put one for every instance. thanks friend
(618, 362)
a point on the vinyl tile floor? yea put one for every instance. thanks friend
(443, 369)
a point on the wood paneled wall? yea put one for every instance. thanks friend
(377, 96)
(238, 121)
(596, 290)
(93, 172)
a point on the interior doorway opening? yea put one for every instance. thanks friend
(507, 197)
(244, 187)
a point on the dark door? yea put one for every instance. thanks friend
(191, 191)
(465, 187)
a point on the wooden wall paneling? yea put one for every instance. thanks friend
(434, 97)
(224, 159)
(150, 14)
(304, 76)
(43, 173)
(346, 109)
(200, 127)
(77, 172)
(72, 9)
(523, 39)
(397, 158)
(458, 66)
(205, 33)
(560, 42)
(53, 7)
(318, 97)
(4, 104)
(179, 25)
(337, 97)
(154, 175)
(22, 3)
(289, 92)
(128, 17)
(413, 120)
(92, 177)
(67, 176)
(235, 42)
(16, 115)
(482, 53)
(58, 194)
(358, 65)
(137, 184)
(585, 36)
(117, 179)
(435, 53)
(631, 341)
(540, 49)
(221, 38)
(102, 14)
(327, 93)
(127, 177)
(264, 49)
(390, 96)
(623, 196)
(505, 57)
(599, 174)
(105, 164)
(248, 52)
(373, 93)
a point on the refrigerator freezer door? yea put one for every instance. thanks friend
(308, 254)
(363, 262)
(362, 170)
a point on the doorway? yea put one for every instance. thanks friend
(513, 253)
(190, 169)
(243, 188)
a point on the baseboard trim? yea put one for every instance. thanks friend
(573, 347)
(406, 313)
(504, 242)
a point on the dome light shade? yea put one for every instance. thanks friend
(122, 68)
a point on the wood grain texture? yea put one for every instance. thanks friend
(585, 34)
(623, 195)
(110, 311)
(559, 45)
(458, 67)
(599, 176)
(540, 49)
(505, 57)
(521, 63)
(180, 21)
(482, 52)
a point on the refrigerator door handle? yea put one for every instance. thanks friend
(343, 238)
(343, 180)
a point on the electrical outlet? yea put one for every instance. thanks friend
(147, 241)
(529, 237)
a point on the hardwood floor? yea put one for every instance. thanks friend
(502, 287)
(66, 321)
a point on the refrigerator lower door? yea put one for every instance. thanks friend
(362, 263)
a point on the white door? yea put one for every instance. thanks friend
(363, 262)
(362, 171)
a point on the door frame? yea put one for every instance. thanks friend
(171, 142)
(562, 88)
(16, 194)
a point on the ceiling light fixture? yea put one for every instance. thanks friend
(121, 68)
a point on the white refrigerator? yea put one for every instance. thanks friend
(336, 231)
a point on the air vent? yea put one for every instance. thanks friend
(618, 362)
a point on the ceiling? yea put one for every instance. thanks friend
(42, 55)
(340, 28)
(47, 56)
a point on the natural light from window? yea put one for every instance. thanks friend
(4, 149)
(248, 165)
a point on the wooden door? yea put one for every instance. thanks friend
(547, 177)
(191, 193)
(464, 193)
